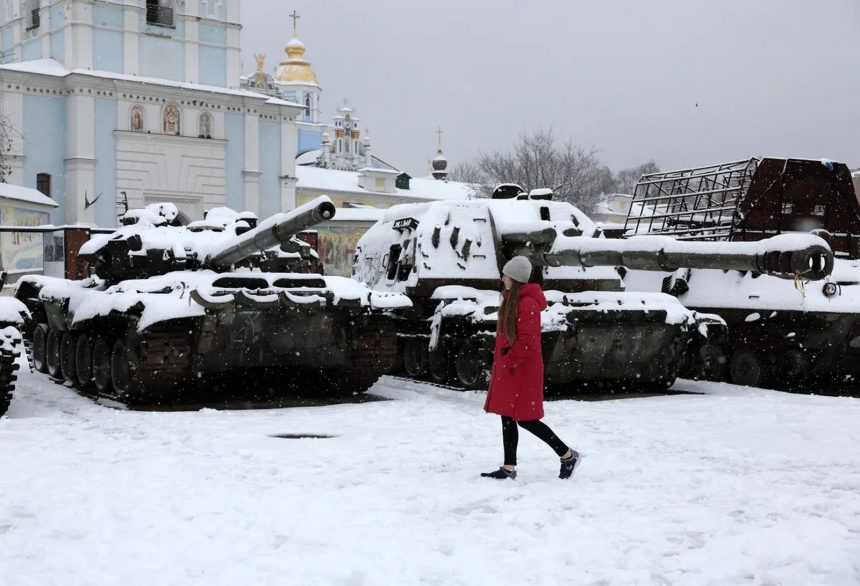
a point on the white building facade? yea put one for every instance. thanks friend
(121, 103)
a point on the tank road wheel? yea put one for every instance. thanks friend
(68, 341)
(712, 363)
(415, 357)
(101, 366)
(123, 370)
(439, 363)
(84, 361)
(40, 342)
(52, 354)
(746, 368)
(469, 367)
(793, 367)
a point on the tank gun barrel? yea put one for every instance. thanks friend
(273, 231)
(785, 256)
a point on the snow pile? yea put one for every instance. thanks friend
(11, 340)
(156, 214)
(12, 311)
(732, 486)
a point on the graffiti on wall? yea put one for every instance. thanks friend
(336, 247)
(20, 251)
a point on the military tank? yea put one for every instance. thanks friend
(783, 334)
(13, 315)
(169, 308)
(447, 257)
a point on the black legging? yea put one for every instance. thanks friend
(511, 436)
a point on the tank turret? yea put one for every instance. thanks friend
(151, 242)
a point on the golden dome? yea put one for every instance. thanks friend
(295, 68)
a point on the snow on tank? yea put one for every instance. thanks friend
(170, 303)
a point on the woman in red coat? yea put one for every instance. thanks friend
(516, 383)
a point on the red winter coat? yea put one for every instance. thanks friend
(516, 384)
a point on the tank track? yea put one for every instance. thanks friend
(372, 356)
(9, 352)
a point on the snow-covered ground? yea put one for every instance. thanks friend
(733, 486)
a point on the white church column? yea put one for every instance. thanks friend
(192, 43)
(131, 40)
(233, 46)
(252, 163)
(45, 26)
(17, 32)
(288, 161)
(80, 157)
(79, 36)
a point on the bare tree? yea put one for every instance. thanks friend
(626, 179)
(469, 172)
(7, 132)
(538, 160)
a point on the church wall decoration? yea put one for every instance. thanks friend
(136, 123)
(20, 251)
(171, 119)
(204, 124)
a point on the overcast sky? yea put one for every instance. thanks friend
(770, 77)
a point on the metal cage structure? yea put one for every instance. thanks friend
(690, 204)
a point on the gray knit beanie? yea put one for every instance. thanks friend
(518, 268)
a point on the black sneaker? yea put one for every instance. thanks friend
(568, 465)
(501, 474)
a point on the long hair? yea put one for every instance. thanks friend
(508, 313)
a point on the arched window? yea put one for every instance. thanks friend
(308, 107)
(171, 119)
(204, 125)
(136, 123)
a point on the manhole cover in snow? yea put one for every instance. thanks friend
(303, 436)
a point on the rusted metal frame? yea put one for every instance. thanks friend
(693, 193)
(745, 179)
(696, 171)
(695, 212)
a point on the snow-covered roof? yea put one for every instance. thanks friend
(379, 170)
(617, 203)
(347, 181)
(367, 214)
(27, 194)
(312, 157)
(309, 157)
(53, 68)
